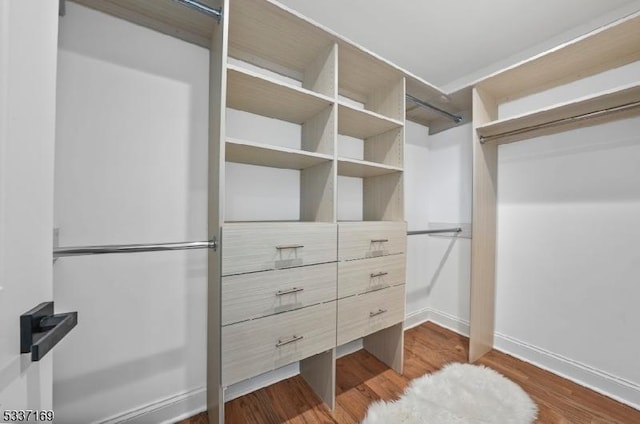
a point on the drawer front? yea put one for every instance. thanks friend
(259, 294)
(365, 275)
(362, 315)
(357, 240)
(249, 247)
(253, 347)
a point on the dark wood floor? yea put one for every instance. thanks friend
(362, 379)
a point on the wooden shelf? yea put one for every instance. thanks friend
(360, 73)
(250, 153)
(274, 37)
(363, 169)
(361, 123)
(554, 119)
(166, 16)
(605, 48)
(277, 38)
(255, 93)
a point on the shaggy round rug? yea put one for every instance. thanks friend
(457, 394)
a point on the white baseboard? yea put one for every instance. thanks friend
(617, 388)
(263, 380)
(416, 318)
(194, 402)
(166, 411)
(449, 321)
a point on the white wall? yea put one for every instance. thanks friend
(131, 167)
(437, 184)
(567, 260)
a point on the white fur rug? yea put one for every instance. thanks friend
(457, 394)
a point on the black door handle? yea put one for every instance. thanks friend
(41, 330)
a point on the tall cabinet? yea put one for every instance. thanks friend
(283, 290)
(294, 290)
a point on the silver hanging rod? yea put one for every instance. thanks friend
(562, 121)
(456, 118)
(202, 8)
(60, 252)
(438, 231)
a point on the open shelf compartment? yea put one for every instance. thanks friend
(250, 153)
(262, 95)
(613, 104)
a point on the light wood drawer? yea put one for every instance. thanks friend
(249, 247)
(362, 315)
(259, 294)
(365, 275)
(357, 240)
(253, 347)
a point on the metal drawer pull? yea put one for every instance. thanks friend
(380, 312)
(379, 241)
(290, 246)
(380, 274)
(293, 290)
(291, 340)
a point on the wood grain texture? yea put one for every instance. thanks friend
(250, 247)
(240, 151)
(605, 48)
(387, 148)
(250, 348)
(483, 241)
(361, 123)
(383, 197)
(388, 100)
(317, 193)
(254, 93)
(620, 96)
(165, 16)
(319, 371)
(362, 379)
(359, 240)
(364, 169)
(258, 294)
(388, 346)
(270, 35)
(319, 132)
(216, 161)
(361, 74)
(261, 29)
(365, 275)
(321, 75)
(359, 316)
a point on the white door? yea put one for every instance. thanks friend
(28, 51)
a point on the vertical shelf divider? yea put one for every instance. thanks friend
(319, 134)
(318, 197)
(483, 240)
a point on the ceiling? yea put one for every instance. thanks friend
(444, 41)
